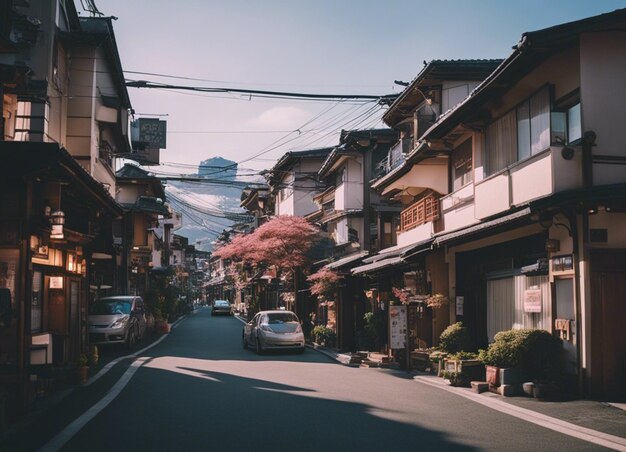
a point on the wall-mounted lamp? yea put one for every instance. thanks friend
(592, 210)
(553, 246)
(83, 267)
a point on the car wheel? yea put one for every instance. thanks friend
(259, 349)
(245, 342)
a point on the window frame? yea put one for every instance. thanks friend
(515, 111)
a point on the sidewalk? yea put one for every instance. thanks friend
(599, 422)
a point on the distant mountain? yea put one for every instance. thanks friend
(209, 206)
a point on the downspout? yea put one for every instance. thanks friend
(23, 339)
(589, 140)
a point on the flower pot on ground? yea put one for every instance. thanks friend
(521, 356)
(82, 369)
(94, 356)
(161, 326)
(467, 366)
(492, 374)
(324, 335)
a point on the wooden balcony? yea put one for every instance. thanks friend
(423, 211)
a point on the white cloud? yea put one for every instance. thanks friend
(281, 118)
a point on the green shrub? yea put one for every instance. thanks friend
(455, 378)
(536, 352)
(463, 355)
(455, 339)
(323, 335)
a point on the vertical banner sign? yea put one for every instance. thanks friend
(459, 305)
(397, 327)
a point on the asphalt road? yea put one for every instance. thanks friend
(200, 390)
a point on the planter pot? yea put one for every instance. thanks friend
(83, 374)
(492, 375)
(471, 369)
(512, 376)
(542, 391)
(162, 327)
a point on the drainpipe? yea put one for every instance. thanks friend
(589, 141)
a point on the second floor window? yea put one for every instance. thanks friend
(522, 132)
(462, 168)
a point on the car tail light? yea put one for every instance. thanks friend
(298, 329)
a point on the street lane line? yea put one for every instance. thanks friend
(108, 367)
(557, 425)
(68, 432)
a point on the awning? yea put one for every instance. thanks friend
(346, 260)
(417, 248)
(482, 227)
(377, 266)
(392, 251)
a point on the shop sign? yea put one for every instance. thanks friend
(56, 282)
(532, 300)
(397, 327)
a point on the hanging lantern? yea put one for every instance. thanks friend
(57, 220)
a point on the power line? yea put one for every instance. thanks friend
(385, 99)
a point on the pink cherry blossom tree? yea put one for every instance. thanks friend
(282, 243)
(324, 283)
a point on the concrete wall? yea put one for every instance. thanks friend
(603, 97)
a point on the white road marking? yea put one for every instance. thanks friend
(68, 432)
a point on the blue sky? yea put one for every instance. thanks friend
(329, 46)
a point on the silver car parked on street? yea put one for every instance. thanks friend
(273, 330)
(119, 319)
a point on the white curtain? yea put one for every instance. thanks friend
(540, 121)
(505, 304)
(501, 143)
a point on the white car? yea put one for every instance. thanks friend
(274, 330)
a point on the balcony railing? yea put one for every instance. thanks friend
(395, 158)
(423, 211)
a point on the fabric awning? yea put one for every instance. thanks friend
(377, 266)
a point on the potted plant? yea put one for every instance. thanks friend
(323, 335)
(82, 368)
(522, 355)
(467, 365)
(94, 356)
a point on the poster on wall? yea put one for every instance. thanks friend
(397, 327)
(532, 300)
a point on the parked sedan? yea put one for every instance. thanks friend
(273, 330)
(117, 320)
(222, 307)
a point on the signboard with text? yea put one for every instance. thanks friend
(397, 327)
(532, 300)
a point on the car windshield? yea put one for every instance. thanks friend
(281, 317)
(109, 306)
(221, 303)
